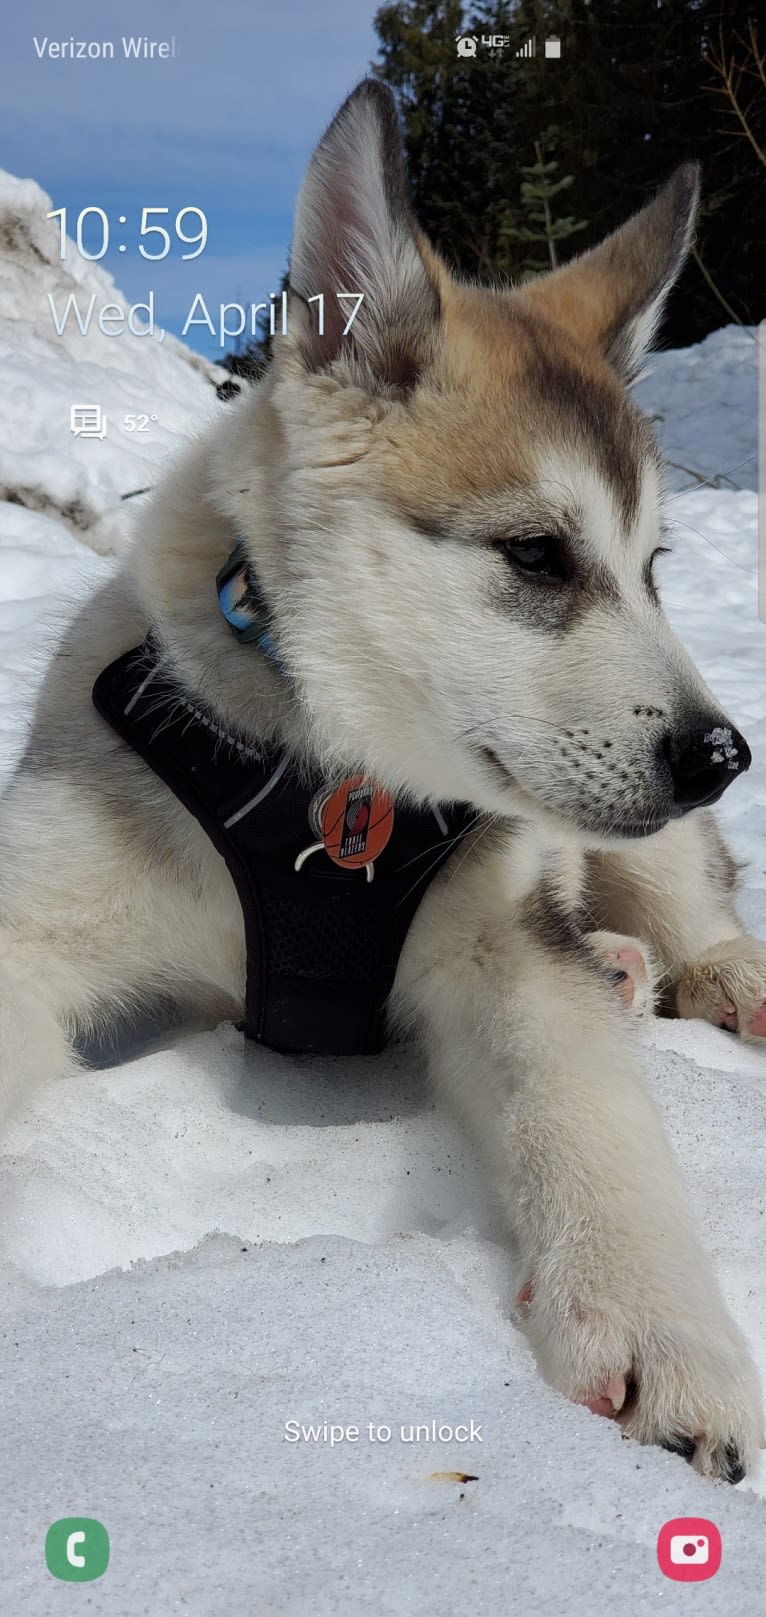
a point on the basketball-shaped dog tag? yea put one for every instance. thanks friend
(355, 822)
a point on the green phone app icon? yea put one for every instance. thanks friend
(77, 1549)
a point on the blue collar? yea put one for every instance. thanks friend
(243, 606)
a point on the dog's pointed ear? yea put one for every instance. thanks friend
(613, 297)
(355, 232)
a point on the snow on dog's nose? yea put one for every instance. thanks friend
(703, 761)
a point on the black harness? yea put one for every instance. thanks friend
(322, 942)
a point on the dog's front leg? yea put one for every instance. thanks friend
(533, 1046)
(677, 890)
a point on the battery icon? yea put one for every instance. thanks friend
(553, 47)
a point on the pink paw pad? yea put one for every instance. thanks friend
(607, 1399)
(524, 1297)
(756, 1027)
(729, 1018)
(632, 963)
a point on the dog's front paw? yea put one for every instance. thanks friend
(727, 986)
(632, 968)
(679, 1376)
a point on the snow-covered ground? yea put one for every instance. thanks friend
(209, 1241)
(150, 391)
(705, 402)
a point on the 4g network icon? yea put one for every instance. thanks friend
(467, 45)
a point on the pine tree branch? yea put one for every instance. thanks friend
(547, 211)
(731, 74)
(717, 294)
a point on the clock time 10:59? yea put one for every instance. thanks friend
(156, 241)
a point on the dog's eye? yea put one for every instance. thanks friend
(662, 550)
(542, 556)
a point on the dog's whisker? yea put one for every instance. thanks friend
(440, 844)
(453, 841)
(507, 713)
(493, 819)
(740, 566)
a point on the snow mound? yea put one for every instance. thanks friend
(705, 403)
(43, 465)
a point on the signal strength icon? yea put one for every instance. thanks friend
(530, 49)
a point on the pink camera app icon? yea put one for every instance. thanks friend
(689, 1549)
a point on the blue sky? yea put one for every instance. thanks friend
(227, 126)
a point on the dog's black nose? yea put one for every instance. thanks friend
(703, 761)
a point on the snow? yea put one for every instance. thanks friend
(205, 1241)
(707, 417)
(43, 465)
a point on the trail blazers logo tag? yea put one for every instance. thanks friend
(356, 823)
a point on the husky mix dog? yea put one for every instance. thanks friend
(453, 512)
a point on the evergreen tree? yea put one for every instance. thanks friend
(540, 223)
(636, 91)
(633, 94)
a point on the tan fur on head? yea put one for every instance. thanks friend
(397, 462)
(611, 298)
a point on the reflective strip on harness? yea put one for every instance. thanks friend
(322, 943)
